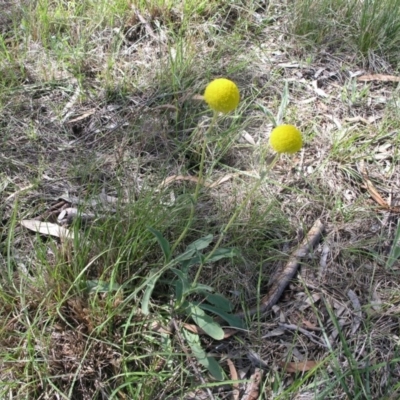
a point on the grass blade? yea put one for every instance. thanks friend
(394, 254)
(151, 282)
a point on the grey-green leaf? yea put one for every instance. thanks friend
(219, 301)
(208, 362)
(194, 248)
(201, 243)
(178, 292)
(195, 259)
(283, 105)
(101, 286)
(165, 247)
(206, 323)
(186, 256)
(200, 287)
(232, 320)
(221, 253)
(182, 276)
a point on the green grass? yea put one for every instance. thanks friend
(369, 27)
(99, 98)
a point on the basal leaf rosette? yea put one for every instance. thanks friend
(222, 95)
(286, 139)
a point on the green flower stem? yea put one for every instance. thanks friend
(198, 184)
(203, 156)
(235, 215)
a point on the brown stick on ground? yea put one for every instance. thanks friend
(282, 279)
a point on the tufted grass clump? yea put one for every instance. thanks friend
(371, 27)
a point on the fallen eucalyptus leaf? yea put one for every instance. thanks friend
(47, 228)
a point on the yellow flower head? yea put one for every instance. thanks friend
(222, 95)
(286, 139)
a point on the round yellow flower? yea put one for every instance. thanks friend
(286, 139)
(222, 95)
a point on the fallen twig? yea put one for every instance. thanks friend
(314, 338)
(18, 192)
(282, 279)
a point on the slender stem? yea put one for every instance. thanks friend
(203, 156)
(198, 184)
(235, 215)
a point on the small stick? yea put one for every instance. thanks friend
(19, 191)
(283, 278)
(311, 336)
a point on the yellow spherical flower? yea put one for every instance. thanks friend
(222, 95)
(286, 139)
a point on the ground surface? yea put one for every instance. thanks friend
(100, 113)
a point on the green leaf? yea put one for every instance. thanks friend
(196, 259)
(283, 105)
(101, 286)
(165, 247)
(186, 256)
(201, 243)
(178, 292)
(183, 278)
(268, 113)
(190, 255)
(200, 287)
(221, 253)
(208, 362)
(232, 320)
(206, 323)
(186, 264)
(151, 282)
(219, 301)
